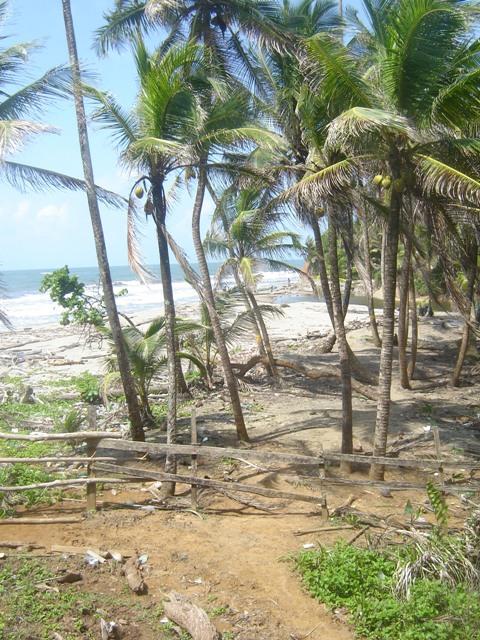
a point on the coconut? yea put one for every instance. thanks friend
(387, 182)
(377, 179)
(139, 192)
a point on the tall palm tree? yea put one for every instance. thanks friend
(408, 86)
(162, 113)
(103, 265)
(224, 27)
(246, 236)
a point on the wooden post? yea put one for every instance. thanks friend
(91, 448)
(194, 458)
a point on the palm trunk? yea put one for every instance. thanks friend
(322, 271)
(369, 280)
(462, 351)
(347, 239)
(210, 303)
(346, 377)
(377, 472)
(128, 384)
(414, 320)
(403, 286)
(169, 311)
(263, 333)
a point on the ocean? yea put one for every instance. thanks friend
(27, 307)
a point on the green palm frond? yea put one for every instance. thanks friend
(34, 97)
(357, 122)
(21, 176)
(121, 24)
(447, 181)
(112, 116)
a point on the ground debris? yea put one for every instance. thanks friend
(132, 570)
(190, 617)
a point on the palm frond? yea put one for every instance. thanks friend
(15, 133)
(447, 181)
(111, 116)
(135, 258)
(121, 25)
(22, 176)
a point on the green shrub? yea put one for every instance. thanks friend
(88, 386)
(362, 582)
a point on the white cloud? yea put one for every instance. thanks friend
(52, 212)
(22, 210)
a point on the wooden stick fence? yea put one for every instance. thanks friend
(120, 451)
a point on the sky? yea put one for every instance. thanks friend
(52, 228)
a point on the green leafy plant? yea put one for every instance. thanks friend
(439, 505)
(89, 387)
(363, 582)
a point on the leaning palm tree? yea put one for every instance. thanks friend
(408, 88)
(246, 236)
(103, 265)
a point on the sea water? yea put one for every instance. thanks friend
(25, 306)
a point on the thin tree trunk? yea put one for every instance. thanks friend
(322, 271)
(377, 472)
(403, 287)
(462, 351)
(170, 341)
(230, 379)
(128, 384)
(368, 280)
(414, 320)
(264, 334)
(346, 377)
(348, 245)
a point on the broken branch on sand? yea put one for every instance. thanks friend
(317, 373)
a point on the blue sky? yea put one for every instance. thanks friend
(50, 229)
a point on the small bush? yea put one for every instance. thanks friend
(88, 386)
(362, 582)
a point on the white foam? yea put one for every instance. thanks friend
(37, 309)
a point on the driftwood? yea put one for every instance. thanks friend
(190, 617)
(17, 521)
(324, 371)
(78, 435)
(207, 482)
(132, 571)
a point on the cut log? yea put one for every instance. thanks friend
(324, 371)
(190, 617)
(207, 482)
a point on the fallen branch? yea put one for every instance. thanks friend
(17, 521)
(29, 546)
(78, 435)
(244, 501)
(190, 617)
(207, 482)
(73, 459)
(60, 483)
(325, 371)
(305, 532)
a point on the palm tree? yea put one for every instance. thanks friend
(245, 234)
(408, 87)
(162, 113)
(103, 265)
(224, 27)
